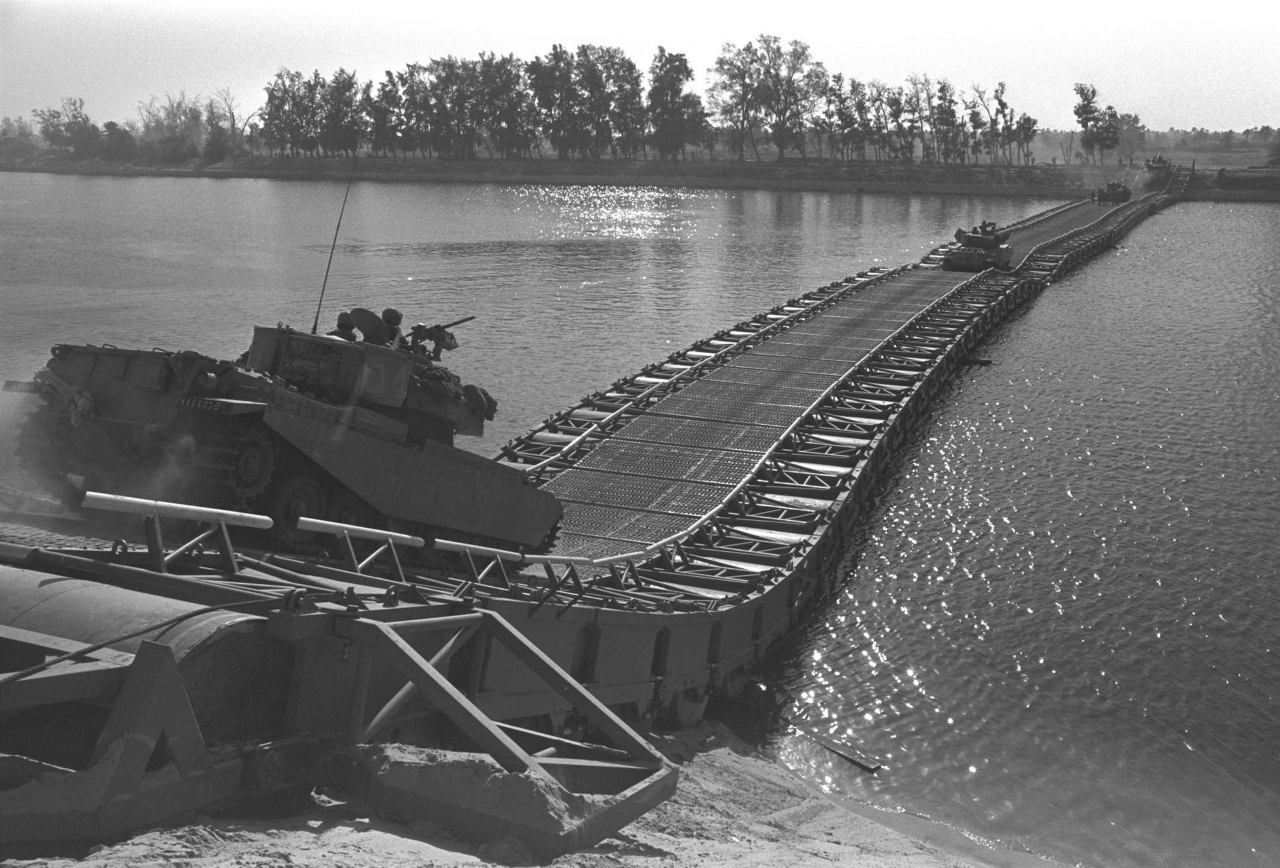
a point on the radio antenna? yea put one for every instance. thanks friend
(316, 324)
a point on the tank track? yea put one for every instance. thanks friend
(233, 465)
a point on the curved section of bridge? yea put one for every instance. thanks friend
(721, 469)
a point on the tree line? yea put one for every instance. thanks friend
(593, 103)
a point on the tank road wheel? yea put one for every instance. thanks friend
(255, 461)
(300, 495)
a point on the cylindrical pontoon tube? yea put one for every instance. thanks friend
(235, 674)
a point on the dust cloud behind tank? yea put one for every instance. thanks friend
(303, 425)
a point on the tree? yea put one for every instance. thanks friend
(229, 108)
(69, 127)
(791, 84)
(83, 135)
(948, 124)
(668, 107)
(697, 128)
(1132, 136)
(811, 114)
(506, 111)
(551, 80)
(734, 93)
(876, 121)
(280, 124)
(1024, 133)
(384, 112)
(628, 115)
(341, 114)
(118, 145)
(310, 107)
(595, 101)
(415, 109)
(902, 141)
(52, 127)
(1087, 115)
(827, 126)
(978, 133)
(217, 144)
(1106, 131)
(991, 131)
(455, 91)
(921, 101)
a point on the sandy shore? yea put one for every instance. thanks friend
(734, 806)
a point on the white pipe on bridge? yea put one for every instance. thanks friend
(338, 529)
(164, 509)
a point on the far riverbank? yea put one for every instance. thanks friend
(1039, 181)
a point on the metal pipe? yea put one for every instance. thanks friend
(338, 529)
(397, 703)
(164, 509)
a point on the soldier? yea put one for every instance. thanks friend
(346, 327)
(392, 318)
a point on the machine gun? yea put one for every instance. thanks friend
(439, 335)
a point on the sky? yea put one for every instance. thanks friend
(1216, 69)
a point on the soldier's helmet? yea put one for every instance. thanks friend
(344, 319)
(391, 316)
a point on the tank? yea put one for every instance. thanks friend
(1159, 164)
(1157, 171)
(300, 425)
(978, 249)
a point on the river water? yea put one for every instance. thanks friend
(1059, 627)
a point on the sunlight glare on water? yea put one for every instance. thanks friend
(1059, 629)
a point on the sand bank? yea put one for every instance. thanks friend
(733, 807)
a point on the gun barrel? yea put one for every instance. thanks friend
(458, 322)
